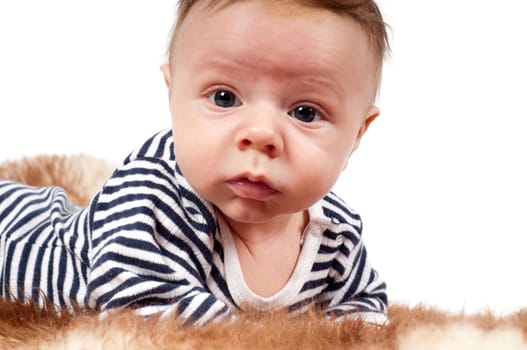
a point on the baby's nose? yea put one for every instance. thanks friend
(261, 138)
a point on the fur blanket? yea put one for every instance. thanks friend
(29, 327)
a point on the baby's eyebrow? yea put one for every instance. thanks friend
(320, 80)
(314, 77)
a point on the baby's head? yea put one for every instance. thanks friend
(364, 12)
(269, 98)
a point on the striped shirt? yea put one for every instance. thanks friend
(148, 241)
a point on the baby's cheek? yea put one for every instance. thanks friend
(312, 187)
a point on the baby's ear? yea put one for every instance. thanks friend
(165, 68)
(372, 113)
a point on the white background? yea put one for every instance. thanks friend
(440, 178)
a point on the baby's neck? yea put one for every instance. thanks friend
(267, 233)
(268, 252)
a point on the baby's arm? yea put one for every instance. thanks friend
(118, 281)
(359, 292)
(146, 252)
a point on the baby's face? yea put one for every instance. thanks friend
(268, 101)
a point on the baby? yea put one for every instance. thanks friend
(232, 206)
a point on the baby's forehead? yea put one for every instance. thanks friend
(284, 9)
(294, 10)
(279, 34)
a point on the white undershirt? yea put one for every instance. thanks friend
(240, 291)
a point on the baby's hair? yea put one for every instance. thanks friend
(365, 12)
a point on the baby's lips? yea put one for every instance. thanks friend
(247, 188)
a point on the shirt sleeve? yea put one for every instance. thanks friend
(360, 292)
(354, 289)
(149, 252)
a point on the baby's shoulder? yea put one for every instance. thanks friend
(149, 184)
(160, 146)
(151, 168)
(337, 210)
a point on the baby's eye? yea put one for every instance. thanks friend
(224, 99)
(305, 114)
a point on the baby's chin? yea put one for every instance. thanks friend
(263, 217)
(249, 216)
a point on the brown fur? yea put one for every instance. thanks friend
(26, 326)
(80, 175)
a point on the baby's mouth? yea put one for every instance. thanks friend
(245, 188)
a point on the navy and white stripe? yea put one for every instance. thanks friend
(149, 242)
(42, 245)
